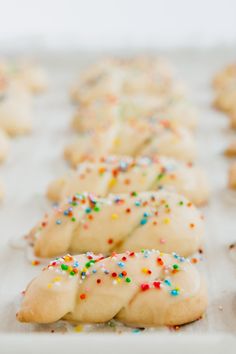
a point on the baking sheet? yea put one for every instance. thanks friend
(37, 159)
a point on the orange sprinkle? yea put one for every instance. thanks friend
(35, 263)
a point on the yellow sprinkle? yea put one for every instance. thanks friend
(144, 270)
(49, 285)
(56, 279)
(117, 142)
(79, 328)
(118, 280)
(166, 221)
(112, 182)
(114, 216)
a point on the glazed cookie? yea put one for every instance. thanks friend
(226, 98)
(133, 137)
(160, 220)
(147, 289)
(230, 151)
(130, 76)
(99, 113)
(232, 176)
(225, 77)
(15, 109)
(29, 76)
(4, 145)
(232, 116)
(125, 174)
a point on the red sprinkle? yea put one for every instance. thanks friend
(83, 296)
(160, 261)
(145, 287)
(98, 281)
(114, 274)
(157, 284)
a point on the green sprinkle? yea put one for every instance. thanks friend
(181, 203)
(160, 176)
(128, 280)
(72, 273)
(96, 208)
(73, 219)
(64, 266)
(175, 266)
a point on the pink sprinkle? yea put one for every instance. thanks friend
(86, 226)
(162, 241)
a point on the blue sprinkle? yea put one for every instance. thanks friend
(143, 221)
(121, 264)
(66, 212)
(58, 222)
(167, 282)
(174, 292)
(76, 264)
(137, 203)
(145, 215)
(88, 210)
(94, 271)
(136, 330)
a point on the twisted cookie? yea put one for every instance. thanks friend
(99, 113)
(125, 174)
(4, 145)
(133, 137)
(114, 77)
(160, 220)
(15, 108)
(139, 289)
(29, 76)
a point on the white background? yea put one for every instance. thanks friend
(117, 23)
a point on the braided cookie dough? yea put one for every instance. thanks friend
(133, 137)
(99, 113)
(147, 289)
(114, 77)
(125, 174)
(15, 108)
(160, 220)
